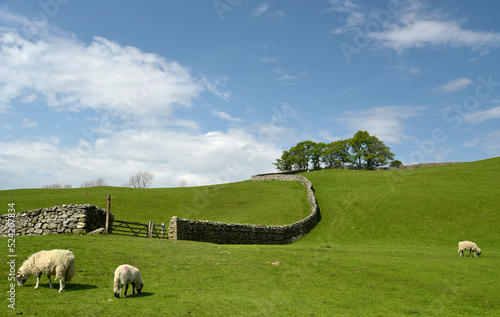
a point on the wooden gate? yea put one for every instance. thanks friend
(135, 229)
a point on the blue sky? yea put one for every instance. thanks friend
(205, 92)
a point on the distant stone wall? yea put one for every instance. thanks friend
(424, 165)
(233, 233)
(56, 220)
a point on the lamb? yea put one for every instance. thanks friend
(127, 274)
(60, 263)
(470, 246)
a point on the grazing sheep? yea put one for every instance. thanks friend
(127, 274)
(470, 246)
(60, 263)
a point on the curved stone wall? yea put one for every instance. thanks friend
(231, 233)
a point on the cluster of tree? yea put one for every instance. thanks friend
(93, 183)
(141, 179)
(361, 151)
(56, 186)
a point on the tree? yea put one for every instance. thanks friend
(53, 186)
(299, 155)
(358, 145)
(396, 163)
(303, 156)
(336, 154)
(284, 164)
(369, 149)
(96, 182)
(141, 179)
(315, 152)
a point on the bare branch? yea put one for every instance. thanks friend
(141, 179)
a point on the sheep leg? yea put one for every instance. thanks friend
(61, 285)
(117, 294)
(50, 282)
(38, 280)
(133, 289)
(126, 290)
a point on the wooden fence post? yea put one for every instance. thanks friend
(163, 230)
(150, 229)
(108, 210)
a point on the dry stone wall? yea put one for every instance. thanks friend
(425, 165)
(56, 220)
(232, 233)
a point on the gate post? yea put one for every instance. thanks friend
(150, 229)
(172, 228)
(108, 211)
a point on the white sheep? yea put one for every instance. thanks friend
(127, 274)
(60, 263)
(470, 246)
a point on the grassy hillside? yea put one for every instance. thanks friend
(271, 203)
(386, 246)
(432, 205)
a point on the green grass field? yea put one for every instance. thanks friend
(271, 203)
(386, 246)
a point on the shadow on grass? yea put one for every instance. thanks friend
(143, 294)
(68, 287)
(79, 287)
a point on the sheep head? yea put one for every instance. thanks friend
(139, 288)
(21, 279)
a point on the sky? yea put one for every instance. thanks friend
(206, 92)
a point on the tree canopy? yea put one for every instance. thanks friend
(361, 151)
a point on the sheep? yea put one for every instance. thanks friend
(60, 263)
(468, 245)
(127, 274)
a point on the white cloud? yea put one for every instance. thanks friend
(386, 123)
(264, 10)
(343, 6)
(434, 34)
(268, 59)
(287, 77)
(490, 142)
(101, 76)
(64, 73)
(217, 87)
(406, 70)
(27, 123)
(454, 85)
(482, 116)
(409, 25)
(260, 10)
(225, 116)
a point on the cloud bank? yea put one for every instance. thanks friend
(130, 99)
